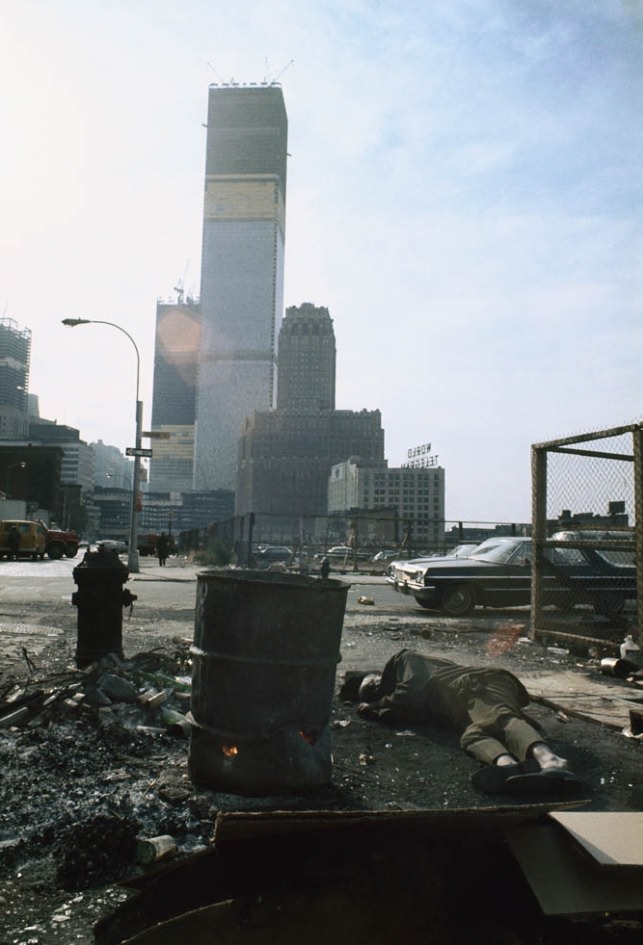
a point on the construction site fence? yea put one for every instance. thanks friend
(366, 536)
(587, 535)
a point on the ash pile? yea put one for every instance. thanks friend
(101, 755)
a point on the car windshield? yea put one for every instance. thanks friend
(495, 550)
(461, 551)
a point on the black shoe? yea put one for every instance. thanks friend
(492, 778)
(543, 783)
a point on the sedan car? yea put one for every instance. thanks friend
(402, 571)
(387, 554)
(343, 553)
(272, 554)
(113, 544)
(498, 574)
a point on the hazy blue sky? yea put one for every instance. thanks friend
(465, 195)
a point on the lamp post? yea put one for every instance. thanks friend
(125, 479)
(132, 554)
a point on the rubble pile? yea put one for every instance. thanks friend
(105, 749)
(94, 766)
(94, 761)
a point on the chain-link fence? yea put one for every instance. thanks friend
(362, 541)
(587, 538)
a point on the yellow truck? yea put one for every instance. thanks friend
(31, 539)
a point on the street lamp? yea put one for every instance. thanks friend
(132, 555)
(125, 479)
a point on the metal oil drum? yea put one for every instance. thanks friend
(266, 647)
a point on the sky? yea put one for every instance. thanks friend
(465, 196)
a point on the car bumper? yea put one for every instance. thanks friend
(427, 595)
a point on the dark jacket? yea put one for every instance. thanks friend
(427, 689)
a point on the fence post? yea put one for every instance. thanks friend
(637, 450)
(538, 530)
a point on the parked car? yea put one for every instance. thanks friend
(498, 574)
(624, 553)
(402, 571)
(387, 554)
(112, 544)
(272, 554)
(32, 538)
(343, 553)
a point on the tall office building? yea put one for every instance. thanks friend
(307, 357)
(176, 356)
(285, 458)
(285, 455)
(242, 271)
(15, 356)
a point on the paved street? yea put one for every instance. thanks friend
(35, 601)
(36, 610)
(174, 584)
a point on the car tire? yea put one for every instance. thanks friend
(565, 603)
(458, 601)
(55, 551)
(610, 605)
(423, 604)
(71, 551)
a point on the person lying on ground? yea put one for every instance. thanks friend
(483, 704)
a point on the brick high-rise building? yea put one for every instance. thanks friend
(285, 455)
(242, 271)
(307, 357)
(285, 458)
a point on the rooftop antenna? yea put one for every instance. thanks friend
(271, 79)
(219, 77)
(179, 288)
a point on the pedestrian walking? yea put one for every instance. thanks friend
(162, 548)
(14, 543)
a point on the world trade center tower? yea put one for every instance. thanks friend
(242, 271)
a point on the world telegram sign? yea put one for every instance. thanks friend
(421, 457)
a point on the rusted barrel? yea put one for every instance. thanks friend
(265, 652)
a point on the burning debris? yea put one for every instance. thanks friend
(265, 651)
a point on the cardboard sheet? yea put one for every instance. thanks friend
(565, 880)
(612, 838)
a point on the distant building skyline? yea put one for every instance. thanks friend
(242, 271)
(414, 494)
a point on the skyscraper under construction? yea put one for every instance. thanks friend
(176, 354)
(242, 271)
(15, 355)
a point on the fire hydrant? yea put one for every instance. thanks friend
(100, 600)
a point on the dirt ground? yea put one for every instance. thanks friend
(82, 782)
